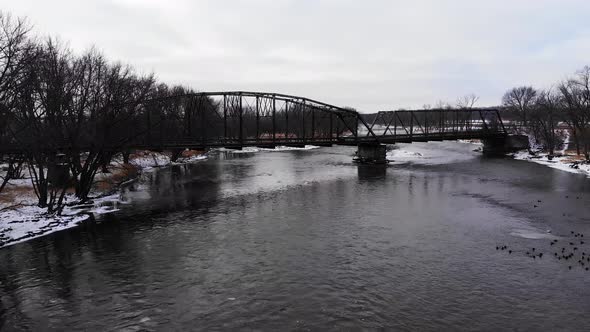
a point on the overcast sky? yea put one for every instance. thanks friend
(371, 55)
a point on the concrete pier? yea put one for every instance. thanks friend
(501, 145)
(371, 154)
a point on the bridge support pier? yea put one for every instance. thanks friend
(499, 146)
(371, 153)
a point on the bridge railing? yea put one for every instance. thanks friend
(436, 124)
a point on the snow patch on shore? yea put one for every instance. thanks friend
(22, 220)
(252, 149)
(190, 159)
(148, 161)
(560, 163)
(28, 222)
(470, 141)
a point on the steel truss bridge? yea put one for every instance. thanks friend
(238, 119)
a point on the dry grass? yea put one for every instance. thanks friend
(139, 154)
(192, 153)
(118, 175)
(14, 194)
(571, 157)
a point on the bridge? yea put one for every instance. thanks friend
(238, 119)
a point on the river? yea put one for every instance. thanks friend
(306, 240)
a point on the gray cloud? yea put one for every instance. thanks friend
(372, 55)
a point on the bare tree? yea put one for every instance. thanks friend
(520, 100)
(110, 116)
(467, 101)
(575, 95)
(16, 51)
(441, 104)
(544, 119)
(41, 113)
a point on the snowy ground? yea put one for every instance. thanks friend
(21, 219)
(562, 161)
(27, 222)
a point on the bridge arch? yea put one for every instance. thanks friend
(241, 118)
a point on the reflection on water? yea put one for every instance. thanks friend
(308, 240)
(372, 172)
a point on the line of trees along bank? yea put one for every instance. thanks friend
(541, 112)
(77, 111)
(50, 98)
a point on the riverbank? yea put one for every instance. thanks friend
(568, 162)
(21, 219)
(565, 159)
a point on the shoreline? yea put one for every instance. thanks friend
(562, 163)
(25, 221)
(564, 160)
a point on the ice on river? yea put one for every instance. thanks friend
(533, 234)
(432, 153)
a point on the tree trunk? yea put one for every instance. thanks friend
(175, 155)
(126, 156)
(576, 141)
(105, 161)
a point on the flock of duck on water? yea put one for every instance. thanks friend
(570, 251)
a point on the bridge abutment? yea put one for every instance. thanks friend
(371, 153)
(499, 146)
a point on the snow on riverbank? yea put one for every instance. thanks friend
(563, 163)
(27, 222)
(147, 160)
(21, 219)
(251, 149)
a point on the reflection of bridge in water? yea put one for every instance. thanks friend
(238, 119)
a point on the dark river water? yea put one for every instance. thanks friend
(306, 240)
